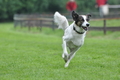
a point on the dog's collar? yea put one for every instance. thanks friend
(77, 31)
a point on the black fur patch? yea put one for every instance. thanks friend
(77, 18)
(79, 21)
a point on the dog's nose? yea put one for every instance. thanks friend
(87, 25)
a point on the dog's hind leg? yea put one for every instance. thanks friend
(71, 55)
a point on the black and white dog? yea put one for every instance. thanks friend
(74, 34)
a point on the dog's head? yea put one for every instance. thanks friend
(81, 20)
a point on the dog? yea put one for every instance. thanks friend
(74, 34)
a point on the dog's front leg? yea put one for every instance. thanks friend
(65, 53)
(71, 55)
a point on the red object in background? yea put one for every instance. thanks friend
(71, 5)
(101, 2)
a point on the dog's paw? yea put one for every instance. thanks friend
(65, 56)
(66, 64)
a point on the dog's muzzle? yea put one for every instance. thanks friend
(86, 27)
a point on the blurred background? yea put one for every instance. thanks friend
(9, 7)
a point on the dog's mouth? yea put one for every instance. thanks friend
(85, 28)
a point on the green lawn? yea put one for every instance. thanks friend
(36, 55)
(109, 23)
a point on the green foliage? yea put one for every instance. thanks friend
(9, 7)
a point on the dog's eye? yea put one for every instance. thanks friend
(82, 20)
(87, 19)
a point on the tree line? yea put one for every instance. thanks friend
(10, 7)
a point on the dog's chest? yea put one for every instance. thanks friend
(78, 41)
(75, 39)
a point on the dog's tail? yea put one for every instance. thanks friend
(61, 21)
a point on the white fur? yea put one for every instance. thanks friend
(85, 22)
(61, 21)
(71, 39)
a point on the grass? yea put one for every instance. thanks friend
(109, 23)
(37, 56)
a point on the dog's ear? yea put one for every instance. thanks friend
(89, 15)
(75, 15)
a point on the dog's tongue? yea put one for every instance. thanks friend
(85, 28)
